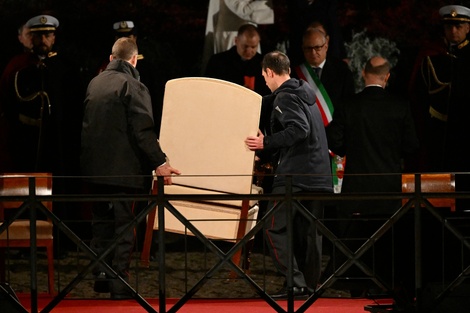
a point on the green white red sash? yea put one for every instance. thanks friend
(305, 72)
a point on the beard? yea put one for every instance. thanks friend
(42, 50)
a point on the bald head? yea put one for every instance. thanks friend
(376, 71)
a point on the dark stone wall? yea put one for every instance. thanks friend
(168, 29)
(171, 32)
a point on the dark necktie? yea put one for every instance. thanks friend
(317, 71)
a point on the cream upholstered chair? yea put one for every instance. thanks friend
(203, 133)
(17, 235)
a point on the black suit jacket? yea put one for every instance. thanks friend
(229, 66)
(375, 130)
(337, 80)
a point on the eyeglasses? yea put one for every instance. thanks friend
(316, 48)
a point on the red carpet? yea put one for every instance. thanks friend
(322, 305)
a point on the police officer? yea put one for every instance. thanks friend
(443, 89)
(41, 97)
(444, 97)
(40, 100)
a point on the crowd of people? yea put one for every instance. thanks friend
(109, 126)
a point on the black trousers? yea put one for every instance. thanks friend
(110, 218)
(307, 241)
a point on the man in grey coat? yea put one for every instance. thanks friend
(298, 145)
(119, 151)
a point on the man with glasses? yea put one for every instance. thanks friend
(330, 76)
(331, 80)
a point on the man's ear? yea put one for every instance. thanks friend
(386, 78)
(111, 57)
(133, 60)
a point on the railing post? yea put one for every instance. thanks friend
(33, 240)
(418, 242)
(161, 243)
(290, 245)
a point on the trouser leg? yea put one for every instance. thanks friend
(310, 248)
(123, 215)
(277, 241)
(103, 231)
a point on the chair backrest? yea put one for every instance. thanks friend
(443, 182)
(17, 184)
(203, 132)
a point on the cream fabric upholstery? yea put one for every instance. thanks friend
(204, 125)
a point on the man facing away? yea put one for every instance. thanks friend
(119, 151)
(375, 131)
(298, 143)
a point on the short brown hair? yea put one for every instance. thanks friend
(124, 49)
(248, 28)
(277, 61)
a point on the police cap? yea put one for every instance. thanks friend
(455, 14)
(43, 23)
(124, 28)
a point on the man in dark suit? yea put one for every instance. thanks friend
(241, 64)
(375, 130)
(331, 72)
(331, 80)
(301, 13)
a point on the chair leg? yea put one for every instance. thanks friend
(50, 268)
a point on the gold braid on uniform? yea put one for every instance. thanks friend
(43, 94)
(431, 75)
(32, 96)
(432, 71)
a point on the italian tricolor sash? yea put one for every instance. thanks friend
(305, 72)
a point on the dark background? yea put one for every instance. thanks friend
(171, 32)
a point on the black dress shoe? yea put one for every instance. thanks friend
(122, 295)
(101, 283)
(119, 291)
(299, 292)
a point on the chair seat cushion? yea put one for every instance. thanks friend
(19, 229)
